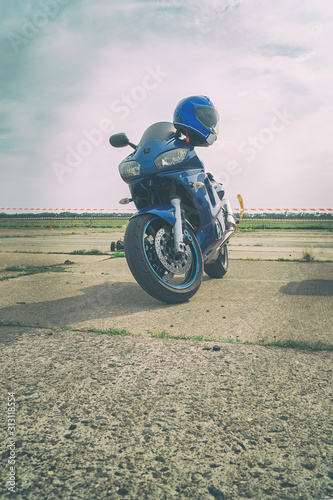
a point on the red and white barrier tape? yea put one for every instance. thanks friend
(286, 220)
(26, 217)
(309, 210)
(65, 209)
(110, 210)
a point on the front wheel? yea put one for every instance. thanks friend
(218, 268)
(166, 275)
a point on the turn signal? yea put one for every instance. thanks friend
(196, 185)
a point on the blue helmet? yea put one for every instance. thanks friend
(198, 119)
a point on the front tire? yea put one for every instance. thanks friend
(163, 274)
(218, 268)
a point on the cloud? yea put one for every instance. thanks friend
(249, 57)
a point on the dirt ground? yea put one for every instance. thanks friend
(133, 416)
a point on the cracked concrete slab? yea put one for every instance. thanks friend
(100, 416)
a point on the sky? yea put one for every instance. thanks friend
(73, 72)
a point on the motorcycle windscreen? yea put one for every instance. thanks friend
(160, 131)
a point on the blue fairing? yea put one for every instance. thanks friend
(162, 211)
(149, 149)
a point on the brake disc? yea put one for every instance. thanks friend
(174, 263)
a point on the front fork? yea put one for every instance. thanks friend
(177, 228)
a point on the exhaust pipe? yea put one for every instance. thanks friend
(214, 253)
(228, 215)
(230, 225)
(226, 237)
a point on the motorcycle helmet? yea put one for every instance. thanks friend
(197, 118)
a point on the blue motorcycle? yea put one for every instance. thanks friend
(183, 222)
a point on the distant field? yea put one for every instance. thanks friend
(250, 225)
(77, 223)
(244, 225)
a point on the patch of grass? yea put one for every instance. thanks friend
(201, 338)
(247, 230)
(110, 331)
(287, 344)
(60, 328)
(307, 255)
(75, 252)
(303, 259)
(27, 251)
(117, 255)
(290, 344)
(167, 335)
(5, 322)
(229, 340)
(94, 251)
(14, 269)
(61, 234)
(297, 344)
(280, 259)
(18, 236)
(26, 271)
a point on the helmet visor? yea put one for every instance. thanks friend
(209, 117)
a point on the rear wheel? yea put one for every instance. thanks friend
(218, 268)
(166, 275)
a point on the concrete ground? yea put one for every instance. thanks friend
(132, 416)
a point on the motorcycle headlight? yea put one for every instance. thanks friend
(129, 168)
(171, 157)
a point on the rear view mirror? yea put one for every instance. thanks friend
(119, 140)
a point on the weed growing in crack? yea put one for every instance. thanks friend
(307, 255)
